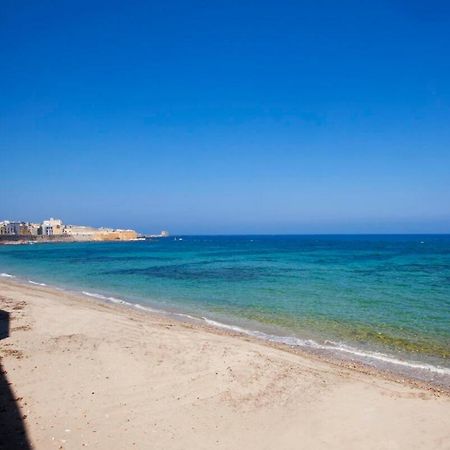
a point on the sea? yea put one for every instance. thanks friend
(380, 300)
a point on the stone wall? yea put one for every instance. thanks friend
(117, 235)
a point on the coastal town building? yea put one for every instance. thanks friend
(52, 227)
(3, 228)
(34, 229)
(9, 228)
(15, 226)
(55, 229)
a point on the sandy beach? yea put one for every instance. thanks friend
(78, 373)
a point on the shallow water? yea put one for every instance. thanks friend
(376, 297)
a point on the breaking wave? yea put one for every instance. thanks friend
(6, 275)
(36, 283)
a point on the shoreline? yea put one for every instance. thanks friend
(85, 372)
(394, 370)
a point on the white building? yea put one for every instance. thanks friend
(52, 227)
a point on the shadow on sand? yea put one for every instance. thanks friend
(12, 429)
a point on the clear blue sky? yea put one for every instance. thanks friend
(227, 117)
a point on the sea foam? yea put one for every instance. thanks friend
(109, 299)
(36, 283)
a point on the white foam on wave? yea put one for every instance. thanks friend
(389, 359)
(134, 305)
(149, 309)
(162, 311)
(332, 347)
(109, 299)
(186, 315)
(36, 283)
(227, 327)
(6, 275)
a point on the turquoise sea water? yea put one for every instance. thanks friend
(381, 299)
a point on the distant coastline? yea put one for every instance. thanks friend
(54, 230)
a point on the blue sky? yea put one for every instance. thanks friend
(227, 117)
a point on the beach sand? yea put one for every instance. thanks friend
(86, 374)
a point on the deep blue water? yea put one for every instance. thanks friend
(386, 294)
